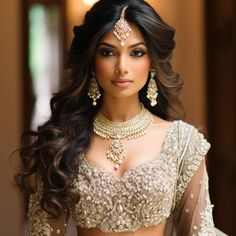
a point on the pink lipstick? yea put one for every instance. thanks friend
(122, 83)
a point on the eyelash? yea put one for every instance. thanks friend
(107, 52)
(138, 51)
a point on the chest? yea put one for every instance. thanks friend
(154, 176)
(149, 184)
(137, 152)
(141, 196)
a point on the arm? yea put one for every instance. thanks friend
(193, 213)
(40, 223)
(195, 209)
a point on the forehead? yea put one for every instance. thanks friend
(134, 37)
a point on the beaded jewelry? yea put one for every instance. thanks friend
(131, 129)
(122, 29)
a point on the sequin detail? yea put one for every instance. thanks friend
(145, 195)
(142, 197)
(207, 225)
(196, 150)
(38, 224)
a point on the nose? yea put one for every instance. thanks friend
(121, 67)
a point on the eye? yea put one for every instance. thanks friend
(138, 53)
(105, 52)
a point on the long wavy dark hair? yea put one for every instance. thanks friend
(57, 143)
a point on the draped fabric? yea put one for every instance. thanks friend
(187, 209)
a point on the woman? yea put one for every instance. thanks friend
(114, 154)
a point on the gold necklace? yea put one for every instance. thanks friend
(131, 129)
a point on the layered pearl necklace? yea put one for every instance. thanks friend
(131, 129)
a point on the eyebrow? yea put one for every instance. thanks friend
(132, 46)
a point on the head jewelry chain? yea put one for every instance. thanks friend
(122, 29)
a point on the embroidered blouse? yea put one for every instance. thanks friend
(173, 187)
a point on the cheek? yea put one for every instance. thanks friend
(102, 68)
(142, 69)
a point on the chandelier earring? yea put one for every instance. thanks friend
(93, 91)
(152, 91)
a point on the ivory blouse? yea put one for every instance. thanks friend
(173, 187)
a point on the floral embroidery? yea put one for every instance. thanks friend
(38, 225)
(142, 197)
(196, 151)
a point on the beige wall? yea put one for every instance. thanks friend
(187, 17)
(10, 118)
(75, 13)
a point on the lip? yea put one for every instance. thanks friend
(122, 83)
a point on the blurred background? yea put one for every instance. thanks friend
(35, 37)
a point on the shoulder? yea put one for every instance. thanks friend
(192, 144)
(192, 138)
(193, 149)
(187, 137)
(161, 122)
(183, 129)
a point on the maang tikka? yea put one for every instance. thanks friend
(152, 91)
(93, 91)
(122, 29)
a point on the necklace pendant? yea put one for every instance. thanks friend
(117, 131)
(116, 152)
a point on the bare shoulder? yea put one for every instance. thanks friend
(161, 129)
(161, 123)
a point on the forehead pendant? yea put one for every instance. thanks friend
(122, 29)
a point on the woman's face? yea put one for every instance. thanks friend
(122, 71)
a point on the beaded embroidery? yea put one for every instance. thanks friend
(39, 225)
(144, 196)
(122, 29)
(195, 152)
(207, 224)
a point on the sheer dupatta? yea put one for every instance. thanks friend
(192, 209)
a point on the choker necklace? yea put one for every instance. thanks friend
(131, 129)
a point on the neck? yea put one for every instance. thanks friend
(120, 110)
